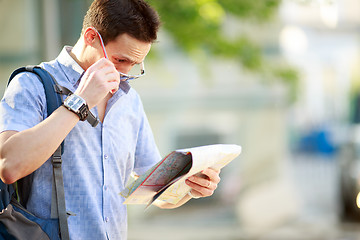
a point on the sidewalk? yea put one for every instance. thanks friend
(206, 219)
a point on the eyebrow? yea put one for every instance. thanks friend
(128, 59)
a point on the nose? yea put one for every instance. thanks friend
(125, 68)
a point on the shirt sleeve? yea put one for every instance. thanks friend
(23, 103)
(147, 153)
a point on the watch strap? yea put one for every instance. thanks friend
(94, 121)
(83, 112)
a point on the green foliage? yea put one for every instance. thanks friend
(260, 10)
(198, 25)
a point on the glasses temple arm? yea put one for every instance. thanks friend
(101, 41)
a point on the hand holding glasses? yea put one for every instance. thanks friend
(138, 70)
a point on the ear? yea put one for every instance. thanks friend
(90, 36)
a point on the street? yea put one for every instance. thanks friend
(316, 179)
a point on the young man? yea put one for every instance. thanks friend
(97, 162)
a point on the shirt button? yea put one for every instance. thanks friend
(105, 187)
(107, 219)
(106, 156)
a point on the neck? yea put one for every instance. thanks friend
(79, 53)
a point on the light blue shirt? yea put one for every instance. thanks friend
(97, 162)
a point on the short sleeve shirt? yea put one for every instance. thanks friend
(97, 162)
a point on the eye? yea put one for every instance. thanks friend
(121, 60)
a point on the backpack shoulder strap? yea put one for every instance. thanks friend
(58, 206)
(53, 101)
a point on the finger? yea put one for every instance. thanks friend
(203, 181)
(195, 194)
(212, 174)
(102, 80)
(108, 78)
(112, 77)
(103, 66)
(109, 70)
(101, 63)
(200, 190)
(200, 180)
(113, 86)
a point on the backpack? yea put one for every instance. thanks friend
(15, 221)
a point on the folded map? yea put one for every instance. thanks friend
(165, 181)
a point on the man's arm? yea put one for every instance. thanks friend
(203, 185)
(23, 152)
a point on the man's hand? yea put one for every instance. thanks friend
(204, 184)
(98, 80)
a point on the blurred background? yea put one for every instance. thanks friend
(279, 78)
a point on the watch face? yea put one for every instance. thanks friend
(75, 102)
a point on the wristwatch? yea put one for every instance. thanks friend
(77, 105)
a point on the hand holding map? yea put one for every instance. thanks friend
(166, 180)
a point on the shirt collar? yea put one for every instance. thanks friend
(74, 71)
(71, 68)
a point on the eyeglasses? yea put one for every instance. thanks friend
(138, 70)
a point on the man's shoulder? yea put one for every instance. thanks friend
(29, 78)
(26, 81)
(52, 67)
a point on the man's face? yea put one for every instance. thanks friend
(125, 52)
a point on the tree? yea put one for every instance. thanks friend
(198, 24)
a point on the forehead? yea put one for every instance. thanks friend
(127, 46)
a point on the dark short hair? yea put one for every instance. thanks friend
(114, 17)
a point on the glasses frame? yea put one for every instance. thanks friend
(123, 76)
